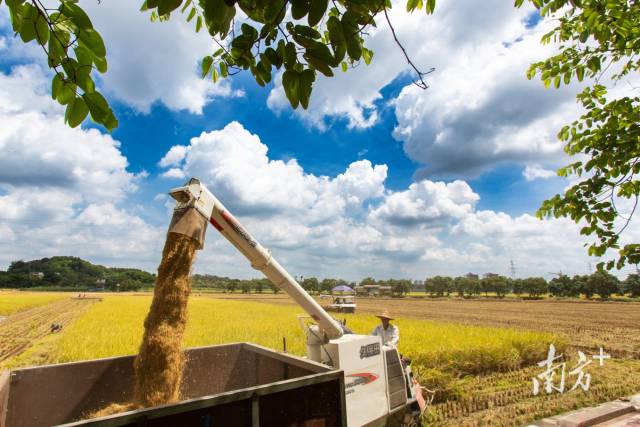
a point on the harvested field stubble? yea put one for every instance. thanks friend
(13, 302)
(507, 400)
(586, 324)
(18, 332)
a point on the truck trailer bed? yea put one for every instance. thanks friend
(227, 385)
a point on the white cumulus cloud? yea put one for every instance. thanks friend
(352, 225)
(532, 172)
(62, 189)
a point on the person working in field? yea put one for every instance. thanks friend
(389, 333)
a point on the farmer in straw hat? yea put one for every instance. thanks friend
(389, 333)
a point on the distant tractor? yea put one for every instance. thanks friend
(341, 303)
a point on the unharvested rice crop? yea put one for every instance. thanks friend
(114, 327)
(14, 302)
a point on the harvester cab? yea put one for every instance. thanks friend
(379, 388)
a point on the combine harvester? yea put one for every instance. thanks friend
(347, 380)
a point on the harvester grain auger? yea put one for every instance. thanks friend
(379, 388)
(346, 380)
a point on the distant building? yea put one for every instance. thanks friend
(471, 276)
(488, 275)
(418, 286)
(100, 283)
(373, 290)
(37, 275)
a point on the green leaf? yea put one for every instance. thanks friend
(299, 8)
(317, 10)
(273, 57)
(307, 77)
(411, 5)
(76, 112)
(77, 15)
(319, 65)
(168, 6)
(93, 41)
(28, 27)
(305, 31)
(274, 11)
(42, 29)
(16, 18)
(191, 14)
(100, 110)
(264, 71)
(343, 65)
(336, 36)
(223, 69)
(66, 93)
(350, 30)
(291, 87)
(367, 55)
(431, 6)
(83, 56)
(206, 65)
(321, 52)
(290, 55)
(214, 75)
(56, 85)
(249, 31)
(198, 24)
(85, 82)
(101, 64)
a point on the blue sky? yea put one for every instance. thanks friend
(377, 178)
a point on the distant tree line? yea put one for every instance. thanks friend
(226, 284)
(600, 283)
(64, 272)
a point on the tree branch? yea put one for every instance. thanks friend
(420, 81)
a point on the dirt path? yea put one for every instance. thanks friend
(19, 331)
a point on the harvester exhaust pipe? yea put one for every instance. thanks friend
(196, 206)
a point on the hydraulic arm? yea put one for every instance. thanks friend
(196, 203)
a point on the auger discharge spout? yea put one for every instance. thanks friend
(196, 205)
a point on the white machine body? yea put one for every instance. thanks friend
(375, 381)
(362, 360)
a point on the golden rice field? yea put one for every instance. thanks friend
(14, 302)
(481, 375)
(114, 327)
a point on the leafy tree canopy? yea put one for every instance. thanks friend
(72, 272)
(598, 39)
(302, 37)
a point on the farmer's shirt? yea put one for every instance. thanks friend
(390, 336)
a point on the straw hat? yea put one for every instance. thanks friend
(385, 315)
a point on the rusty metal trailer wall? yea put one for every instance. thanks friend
(229, 385)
